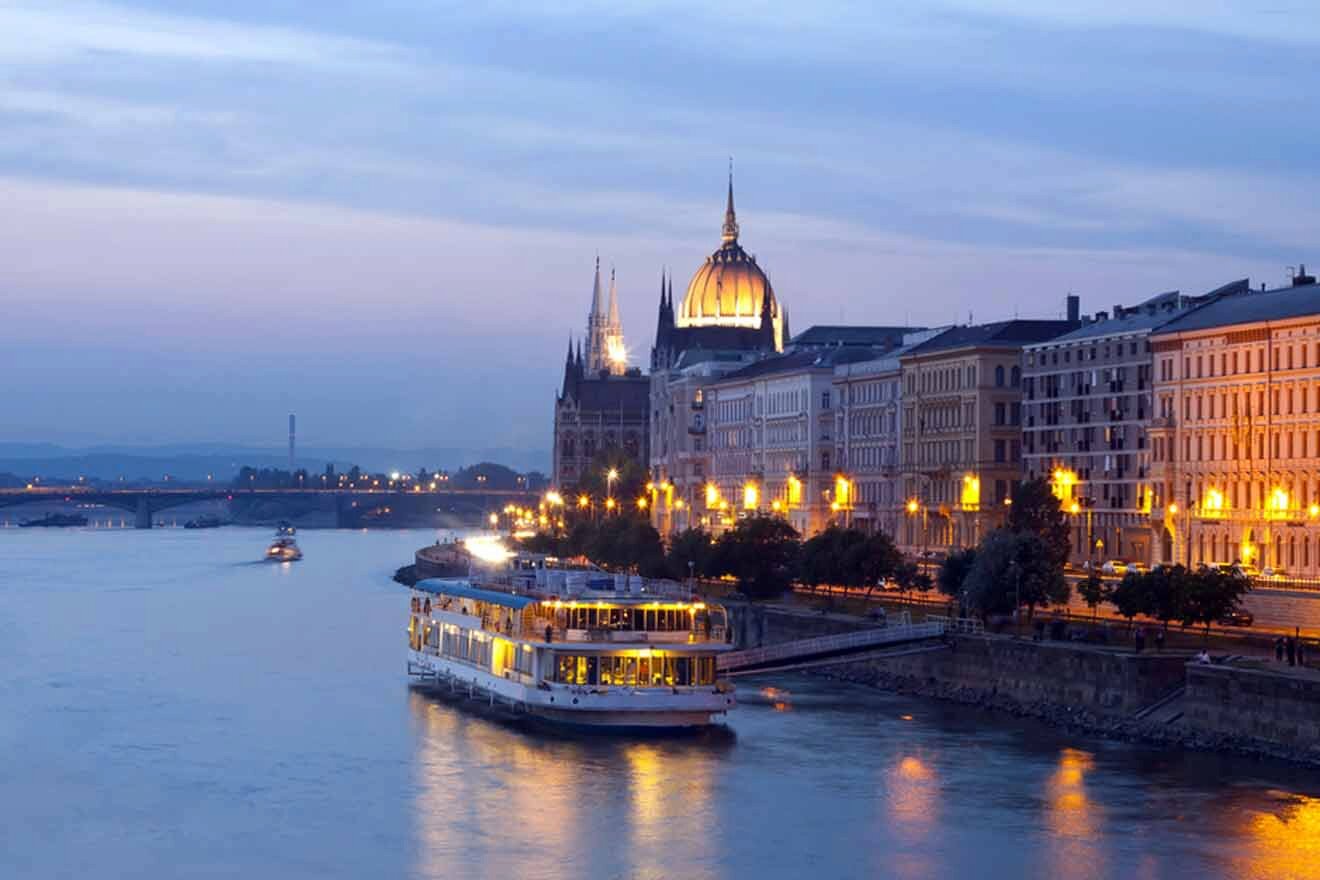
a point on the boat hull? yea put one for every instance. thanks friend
(611, 709)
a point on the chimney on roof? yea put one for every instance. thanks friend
(1301, 279)
(1074, 307)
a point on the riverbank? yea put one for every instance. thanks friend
(1073, 718)
(1154, 698)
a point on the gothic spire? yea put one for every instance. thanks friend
(596, 310)
(614, 306)
(730, 234)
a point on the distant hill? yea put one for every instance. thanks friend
(222, 461)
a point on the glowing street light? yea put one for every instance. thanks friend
(609, 504)
(641, 503)
(584, 501)
(494, 519)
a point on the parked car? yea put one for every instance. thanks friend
(1139, 567)
(1114, 566)
(1237, 617)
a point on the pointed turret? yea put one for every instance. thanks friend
(614, 324)
(572, 372)
(730, 233)
(596, 311)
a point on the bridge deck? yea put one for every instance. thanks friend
(816, 651)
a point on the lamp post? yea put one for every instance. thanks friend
(610, 476)
(1017, 598)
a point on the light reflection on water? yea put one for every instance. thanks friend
(199, 713)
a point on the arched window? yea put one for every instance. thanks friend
(1016, 376)
(999, 376)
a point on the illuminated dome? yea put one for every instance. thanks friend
(730, 290)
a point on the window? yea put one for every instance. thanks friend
(999, 451)
(999, 376)
(824, 400)
(1016, 376)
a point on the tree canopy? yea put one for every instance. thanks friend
(1036, 510)
(762, 553)
(1012, 567)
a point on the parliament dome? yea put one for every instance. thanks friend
(729, 289)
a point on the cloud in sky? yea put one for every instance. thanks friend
(393, 207)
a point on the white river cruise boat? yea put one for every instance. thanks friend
(574, 647)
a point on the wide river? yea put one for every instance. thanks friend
(170, 707)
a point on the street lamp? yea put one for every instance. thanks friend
(1017, 597)
(610, 476)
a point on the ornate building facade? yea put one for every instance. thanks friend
(1235, 442)
(1087, 408)
(602, 404)
(961, 429)
(868, 434)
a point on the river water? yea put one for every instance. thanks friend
(171, 708)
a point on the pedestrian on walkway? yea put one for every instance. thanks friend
(1159, 639)
(1140, 639)
(1301, 653)
(1290, 648)
(1278, 649)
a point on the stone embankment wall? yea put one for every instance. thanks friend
(1279, 707)
(978, 668)
(755, 626)
(1043, 675)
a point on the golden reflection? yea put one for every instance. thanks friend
(911, 817)
(1283, 843)
(472, 773)
(669, 796)
(913, 796)
(1072, 819)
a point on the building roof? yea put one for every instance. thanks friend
(1146, 316)
(830, 334)
(1149, 314)
(693, 356)
(464, 590)
(797, 361)
(1246, 308)
(631, 393)
(1007, 334)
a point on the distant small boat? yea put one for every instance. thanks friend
(284, 548)
(54, 520)
(206, 521)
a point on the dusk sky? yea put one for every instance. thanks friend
(383, 215)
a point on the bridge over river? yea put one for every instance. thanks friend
(353, 508)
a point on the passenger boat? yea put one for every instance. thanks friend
(285, 547)
(582, 648)
(205, 521)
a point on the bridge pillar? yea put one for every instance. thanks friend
(143, 518)
(343, 511)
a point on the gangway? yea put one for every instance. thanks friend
(821, 650)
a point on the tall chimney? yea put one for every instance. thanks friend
(292, 434)
(1074, 307)
(1301, 278)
